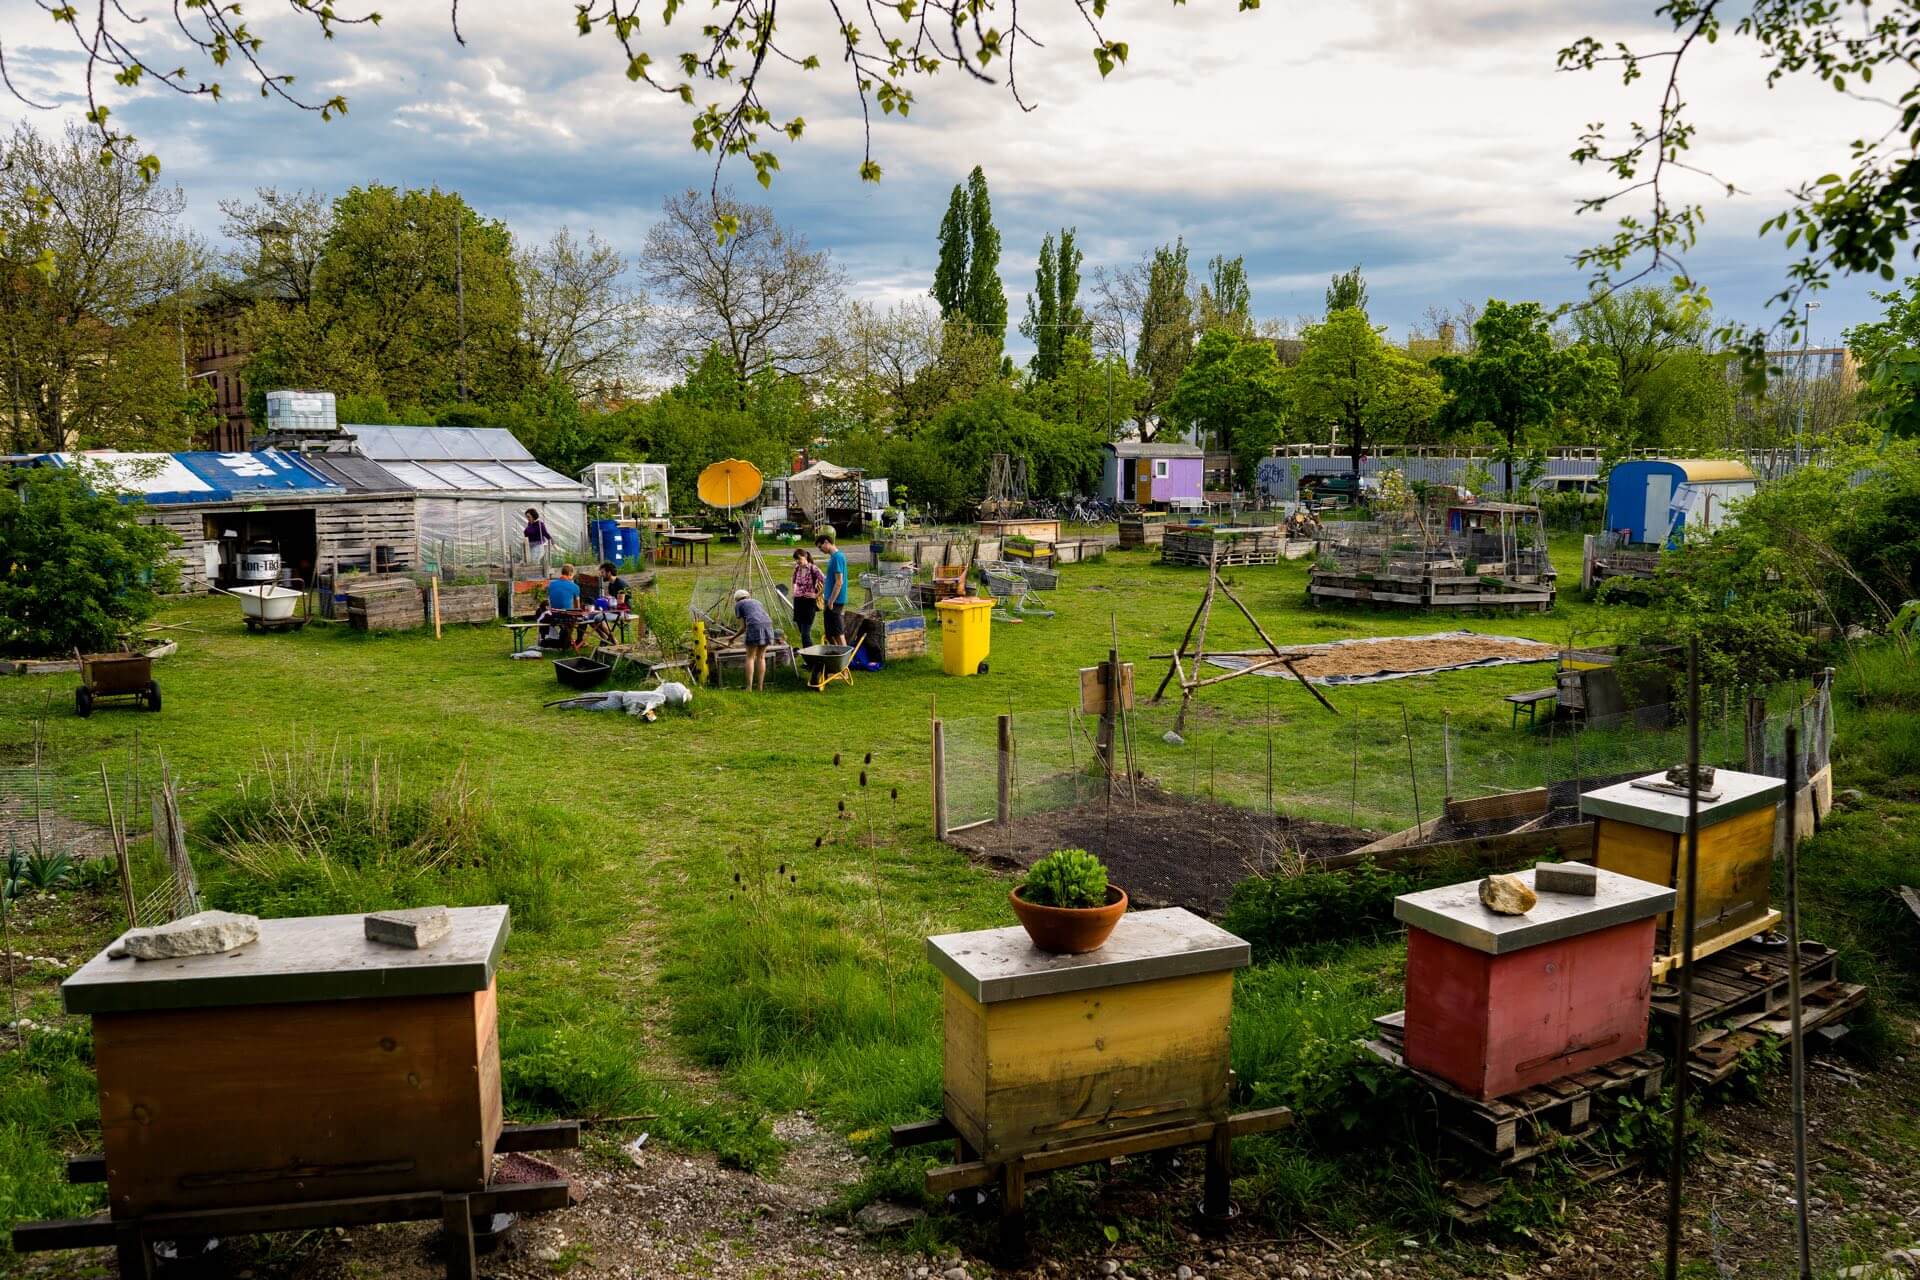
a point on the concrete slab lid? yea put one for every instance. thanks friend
(1739, 793)
(298, 959)
(992, 965)
(1454, 912)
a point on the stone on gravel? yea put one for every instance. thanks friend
(880, 1217)
(210, 933)
(1507, 895)
(413, 929)
(954, 1273)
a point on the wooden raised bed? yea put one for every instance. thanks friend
(470, 604)
(1202, 545)
(1143, 531)
(1431, 590)
(391, 605)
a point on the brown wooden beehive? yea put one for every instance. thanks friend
(309, 1065)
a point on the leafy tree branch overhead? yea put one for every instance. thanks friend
(735, 50)
(1852, 221)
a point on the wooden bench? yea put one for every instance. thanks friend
(1530, 703)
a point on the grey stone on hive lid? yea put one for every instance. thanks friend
(1454, 913)
(300, 959)
(206, 933)
(1738, 793)
(413, 928)
(992, 965)
(1566, 877)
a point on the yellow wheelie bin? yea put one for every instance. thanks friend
(965, 632)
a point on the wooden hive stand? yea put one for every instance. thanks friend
(1053, 1060)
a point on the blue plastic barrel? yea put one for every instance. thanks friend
(605, 539)
(629, 545)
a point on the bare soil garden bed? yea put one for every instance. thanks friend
(1166, 850)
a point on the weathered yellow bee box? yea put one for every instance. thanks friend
(1643, 833)
(1044, 1050)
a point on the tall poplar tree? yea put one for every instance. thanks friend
(1053, 308)
(1226, 299)
(950, 276)
(986, 297)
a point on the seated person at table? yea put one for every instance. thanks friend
(563, 592)
(614, 587)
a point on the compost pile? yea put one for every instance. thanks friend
(1166, 850)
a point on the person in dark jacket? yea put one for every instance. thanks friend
(539, 541)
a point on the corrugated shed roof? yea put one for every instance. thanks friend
(354, 473)
(1154, 449)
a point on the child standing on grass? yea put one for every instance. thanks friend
(808, 582)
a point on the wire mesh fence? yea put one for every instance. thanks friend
(68, 808)
(1378, 772)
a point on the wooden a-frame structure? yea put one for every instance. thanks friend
(1258, 660)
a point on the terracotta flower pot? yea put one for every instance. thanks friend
(1070, 930)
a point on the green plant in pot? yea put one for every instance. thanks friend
(1066, 904)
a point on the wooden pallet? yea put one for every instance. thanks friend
(1513, 1129)
(1738, 986)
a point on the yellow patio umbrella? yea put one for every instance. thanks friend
(730, 483)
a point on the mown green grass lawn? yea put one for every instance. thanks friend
(701, 937)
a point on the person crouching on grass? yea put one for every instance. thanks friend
(758, 636)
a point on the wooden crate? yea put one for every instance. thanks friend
(1642, 833)
(1131, 1038)
(1139, 531)
(312, 1065)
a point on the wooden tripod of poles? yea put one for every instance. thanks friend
(1258, 660)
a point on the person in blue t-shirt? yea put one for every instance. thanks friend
(563, 592)
(833, 599)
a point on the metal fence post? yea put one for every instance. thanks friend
(939, 780)
(1004, 814)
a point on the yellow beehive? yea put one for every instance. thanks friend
(1641, 833)
(1043, 1049)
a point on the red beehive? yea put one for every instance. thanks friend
(1501, 1003)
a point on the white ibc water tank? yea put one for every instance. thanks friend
(301, 411)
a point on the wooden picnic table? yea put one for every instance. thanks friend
(574, 624)
(681, 543)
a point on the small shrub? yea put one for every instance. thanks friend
(43, 872)
(1066, 878)
(1278, 914)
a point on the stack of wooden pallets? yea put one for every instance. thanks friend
(1741, 1001)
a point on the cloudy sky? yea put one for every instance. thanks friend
(1424, 139)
